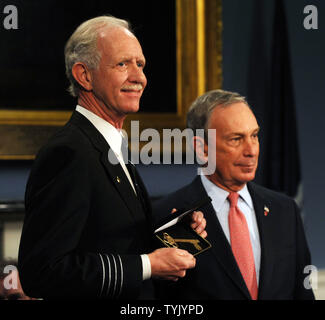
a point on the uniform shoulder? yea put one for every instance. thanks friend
(67, 140)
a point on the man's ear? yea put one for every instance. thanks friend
(82, 75)
(200, 148)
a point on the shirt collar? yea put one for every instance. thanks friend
(112, 135)
(245, 195)
(220, 195)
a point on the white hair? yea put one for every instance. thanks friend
(82, 46)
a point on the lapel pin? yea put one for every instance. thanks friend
(266, 210)
(118, 179)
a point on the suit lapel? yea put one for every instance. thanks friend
(121, 182)
(221, 248)
(114, 171)
(266, 234)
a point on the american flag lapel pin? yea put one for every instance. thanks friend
(266, 210)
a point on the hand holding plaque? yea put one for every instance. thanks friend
(176, 232)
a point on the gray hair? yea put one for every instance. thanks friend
(200, 110)
(82, 46)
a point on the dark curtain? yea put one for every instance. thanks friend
(271, 94)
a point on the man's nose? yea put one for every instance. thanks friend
(251, 148)
(136, 74)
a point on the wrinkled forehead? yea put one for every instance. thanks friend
(113, 39)
(237, 116)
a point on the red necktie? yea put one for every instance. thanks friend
(241, 245)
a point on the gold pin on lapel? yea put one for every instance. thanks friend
(266, 210)
(118, 179)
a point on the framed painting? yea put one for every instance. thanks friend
(181, 40)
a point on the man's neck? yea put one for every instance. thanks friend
(231, 187)
(88, 101)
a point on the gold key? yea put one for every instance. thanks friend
(173, 242)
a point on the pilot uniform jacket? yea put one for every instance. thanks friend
(284, 251)
(84, 228)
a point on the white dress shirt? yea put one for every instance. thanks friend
(114, 138)
(245, 204)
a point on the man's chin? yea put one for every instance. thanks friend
(246, 177)
(131, 109)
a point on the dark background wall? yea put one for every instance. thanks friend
(36, 49)
(307, 52)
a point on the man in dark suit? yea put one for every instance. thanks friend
(259, 250)
(88, 224)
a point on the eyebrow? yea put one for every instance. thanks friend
(241, 133)
(128, 58)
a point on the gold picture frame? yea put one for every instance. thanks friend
(199, 68)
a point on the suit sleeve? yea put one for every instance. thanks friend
(51, 263)
(303, 260)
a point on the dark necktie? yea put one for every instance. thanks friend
(132, 170)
